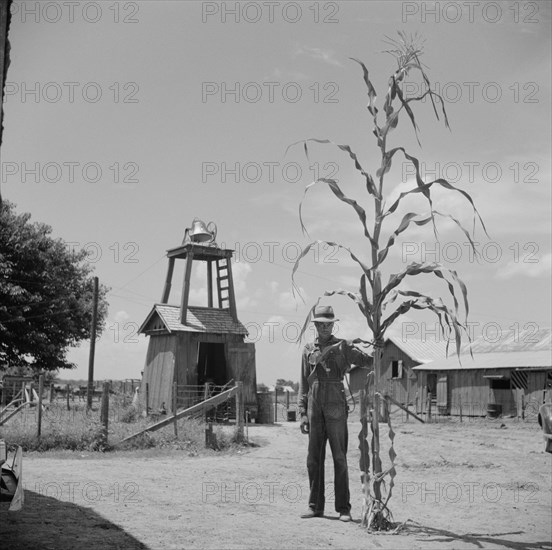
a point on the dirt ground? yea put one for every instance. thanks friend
(478, 484)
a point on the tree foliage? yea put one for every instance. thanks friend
(46, 295)
(281, 382)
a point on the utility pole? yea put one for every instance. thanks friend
(90, 386)
(5, 16)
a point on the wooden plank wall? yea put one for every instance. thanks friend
(398, 388)
(470, 391)
(535, 387)
(240, 357)
(159, 371)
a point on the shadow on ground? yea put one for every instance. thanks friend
(479, 540)
(46, 523)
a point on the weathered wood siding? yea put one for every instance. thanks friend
(469, 390)
(159, 371)
(535, 387)
(173, 358)
(402, 389)
(184, 363)
(240, 359)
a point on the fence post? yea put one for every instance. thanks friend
(147, 398)
(104, 414)
(523, 407)
(275, 403)
(205, 397)
(239, 412)
(175, 407)
(67, 390)
(429, 406)
(51, 393)
(40, 391)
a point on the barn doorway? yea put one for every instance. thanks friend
(432, 387)
(211, 364)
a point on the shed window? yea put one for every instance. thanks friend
(397, 369)
(500, 383)
(519, 379)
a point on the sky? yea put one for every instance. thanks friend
(124, 121)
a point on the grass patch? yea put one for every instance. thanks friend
(78, 429)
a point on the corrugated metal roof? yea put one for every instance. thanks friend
(424, 351)
(526, 360)
(530, 337)
(198, 319)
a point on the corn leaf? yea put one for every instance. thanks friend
(306, 250)
(408, 219)
(372, 96)
(333, 185)
(357, 298)
(392, 455)
(416, 268)
(307, 321)
(405, 222)
(424, 188)
(444, 314)
(370, 185)
(404, 103)
(465, 231)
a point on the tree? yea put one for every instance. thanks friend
(383, 303)
(281, 382)
(46, 295)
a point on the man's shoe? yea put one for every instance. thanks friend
(310, 513)
(345, 517)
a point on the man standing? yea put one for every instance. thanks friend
(323, 409)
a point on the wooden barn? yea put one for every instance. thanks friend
(510, 376)
(397, 378)
(195, 345)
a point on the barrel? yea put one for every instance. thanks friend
(265, 414)
(494, 410)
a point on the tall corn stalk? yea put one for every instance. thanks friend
(383, 303)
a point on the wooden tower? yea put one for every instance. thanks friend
(191, 252)
(194, 345)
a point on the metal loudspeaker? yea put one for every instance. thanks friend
(200, 233)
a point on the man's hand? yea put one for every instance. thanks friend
(304, 424)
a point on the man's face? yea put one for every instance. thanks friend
(324, 329)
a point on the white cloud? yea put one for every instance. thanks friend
(121, 316)
(533, 269)
(326, 56)
(245, 296)
(280, 74)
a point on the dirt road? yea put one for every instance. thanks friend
(469, 485)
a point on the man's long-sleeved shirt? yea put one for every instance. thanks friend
(327, 360)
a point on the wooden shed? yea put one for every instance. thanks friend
(195, 345)
(512, 383)
(511, 375)
(397, 378)
(400, 356)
